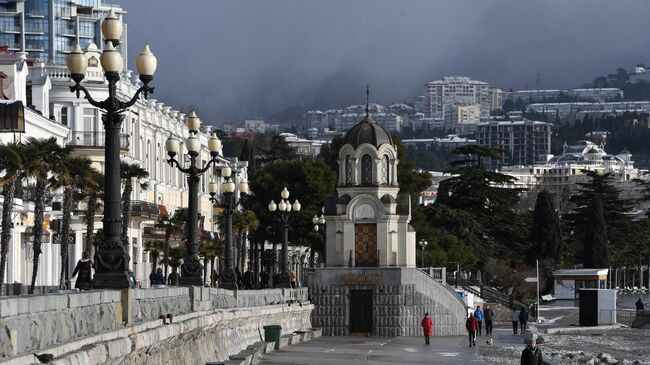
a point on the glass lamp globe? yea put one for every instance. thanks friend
(172, 146)
(112, 27)
(146, 62)
(212, 187)
(285, 193)
(193, 145)
(296, 206)
(111, 59)
(77, 62)
(193, 122)
(282, 206)
(243, 187)
(272, 206)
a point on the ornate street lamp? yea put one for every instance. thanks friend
(191, 269)
(423, 244)
(229, 202)
(284, 208)
(112, 259)
(318, 221)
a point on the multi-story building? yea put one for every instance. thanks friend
(561, 174)
(344, 119)
(590, 94)
(256, 125)
(448, 143)
(456, 90)
(302, 146)
(495, 99)
(570, 112)
(524, 142)
(49, 29)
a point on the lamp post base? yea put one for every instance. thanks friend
(111, 280)
(191, 273)
(228, 279)
(284, 281)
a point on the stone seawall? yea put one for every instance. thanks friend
(64, 323)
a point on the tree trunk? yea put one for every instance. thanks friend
(126, 210)
(65, 236)
(168, 234)
(39, 208)
(90, 222)
(213, 282)
(205, 269)
(8, 191)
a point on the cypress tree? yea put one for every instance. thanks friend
(545, 231)
(595, 240)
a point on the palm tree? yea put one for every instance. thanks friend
(128, 172)
(209, 250)
(73, 173)
(42, 157)
(155, 247)
(95, 191)
(12, 164)
(171, 225)
(243, 222)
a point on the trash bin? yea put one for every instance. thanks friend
(272, 333)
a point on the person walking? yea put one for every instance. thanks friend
(488, 315)
(639, 305)
(514, 316)
(158, 277)
(174, 277)
(84, 269)
(523, 319)
(478, 314)
(427, 327)
(531, 354)
(472, 326)
(293, 279)
(248, 279)
(264, 278)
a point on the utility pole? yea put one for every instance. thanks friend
(537, 264)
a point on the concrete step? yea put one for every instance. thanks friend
(245, 356)
(269, 347)
(294, 338)
(284, 341)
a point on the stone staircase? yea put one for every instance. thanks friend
(255, 352)
(489, 294)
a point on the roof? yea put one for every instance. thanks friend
(367, 131)
(580, 272)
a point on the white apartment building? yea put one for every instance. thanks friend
(77, 124)
(343, 119)
(448, 143)
(588, 94)
(256, 125)
(456, 90)
(560, 174)
(302, 146)
(579, 110)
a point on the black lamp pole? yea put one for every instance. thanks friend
(112, 259)
(284, 208)
(192, 269)
(229, 202)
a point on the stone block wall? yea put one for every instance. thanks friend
(31, 323)
(400, 299)
(148, 304)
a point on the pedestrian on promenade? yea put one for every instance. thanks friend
(264, 278)
(132, 280)
(293, 279)
(478, 314)
(83, 268)
(523, 319)
(514, 316)
(248, 279)
(531, 354)
(639, 305)
(427, 327)
(472, 326)
(240, 283)
(488, 315)
(158, 277)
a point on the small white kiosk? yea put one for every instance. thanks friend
(568, 282)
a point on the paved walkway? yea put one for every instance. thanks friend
(355, 350)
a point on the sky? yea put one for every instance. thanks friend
(234, 59)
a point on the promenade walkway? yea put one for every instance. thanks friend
(355, 350)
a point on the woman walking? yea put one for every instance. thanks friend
(514, 316)
(84, 269)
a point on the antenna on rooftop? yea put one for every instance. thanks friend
(538, 81)
(367, 101)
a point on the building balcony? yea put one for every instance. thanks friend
(82, 139)
(143, 209)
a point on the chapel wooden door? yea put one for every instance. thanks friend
(365, 245)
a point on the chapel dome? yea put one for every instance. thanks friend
(367, 131)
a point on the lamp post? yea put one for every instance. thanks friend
(316, 221)
(284, 208)
(112, 259)
(192, 269)
(423, 244)
(229, 202)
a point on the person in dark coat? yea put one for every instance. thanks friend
(488, 316)
(248, 279)
(472, 326)
(174, 277)
(264, 278)
(158, 278)
(276, 279)
(239, 277)
(523, 319)
(531, 354)
(84, 269)
(427, 327)
(639, 305)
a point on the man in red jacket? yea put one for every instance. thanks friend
(427, 327)
(472, 326)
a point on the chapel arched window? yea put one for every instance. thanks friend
(348, 170)
(366, 170)
(385, 169)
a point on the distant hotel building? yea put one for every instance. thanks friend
(569, 112)
(302, 146)
(524, 142)
(343, 119)
(448, 143)
(591, 94)
(442, 95)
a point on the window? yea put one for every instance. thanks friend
(64, 115)
(366, 170)
(348, 170)
(90, 118)
(385, 179)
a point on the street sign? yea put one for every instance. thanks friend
(531, 279)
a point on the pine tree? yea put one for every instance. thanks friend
(545, 231)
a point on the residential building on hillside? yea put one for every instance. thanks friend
(343, 119)
(256, 125)
(524, 142)
(448, 143)
(570, 112)
(302, 146)
(456, 90)
(591, 94)
(49, 29)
